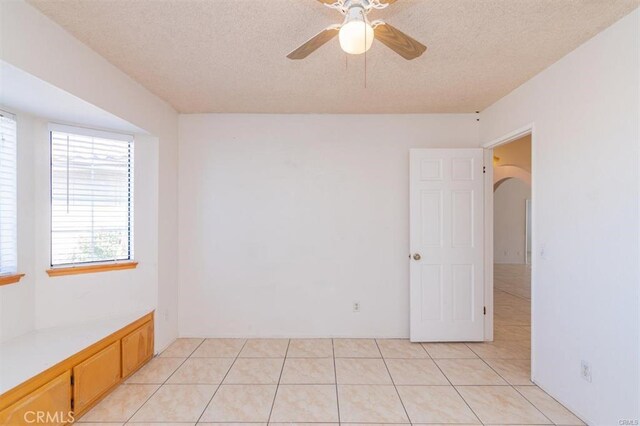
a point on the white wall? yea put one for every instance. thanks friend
(35, 44)
(286, 220)
(585, 289)
(509, 221)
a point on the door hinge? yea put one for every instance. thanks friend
(71, 379)
(73, 404)
(484, 169)
(484, 310)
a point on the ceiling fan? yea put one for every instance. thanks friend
(356, 33)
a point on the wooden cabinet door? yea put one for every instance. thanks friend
(137, 348)
(47, 405)
(96, 375)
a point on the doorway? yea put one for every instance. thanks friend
(512, 261)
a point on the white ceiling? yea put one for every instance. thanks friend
(230, 55)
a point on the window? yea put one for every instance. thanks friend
(91, 196)
(8, 215)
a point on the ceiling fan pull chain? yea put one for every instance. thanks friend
(365, 52)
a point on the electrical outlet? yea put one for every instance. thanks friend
(356, 306)
(585, 371)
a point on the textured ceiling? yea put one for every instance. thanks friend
(230, 55)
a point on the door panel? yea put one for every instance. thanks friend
(446, 230)
(48, 405)
(96, 375)
(137, 348)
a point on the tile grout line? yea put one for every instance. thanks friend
(393, 381)
(512, 386)
(284, 361)
(536, 407)
(221, 381)
(335, 377)
(458, 392)
(161, 384)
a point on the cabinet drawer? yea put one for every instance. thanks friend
(137, 348)
(47, 405)
(96, 375)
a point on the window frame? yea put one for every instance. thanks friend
(94, 265)
(13, 276)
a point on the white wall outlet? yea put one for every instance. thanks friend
(585, 371)
(356, 306)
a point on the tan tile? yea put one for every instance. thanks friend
(449, 350)
(415, 372)
(305, 403)
(310, 348)
(370, 404)
(255, 371)
(156, 424)
(120, 404)
(301, 424)
(265, 348)
(433, 404)
(181, 348)
(229, 424)
(356, 348)
(201, 371)
(175, 403)
(501, 405)
(240, 403)
(469, 372)
(156, 371)
(551, 408)
(80, 422)
(512, 332)
(401, 348)
(362, 371)
(512, 349)
(514, 371)
(308, 371)
(375, 424)
(219, 348)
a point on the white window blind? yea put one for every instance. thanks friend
(91, 196)
(8, 215)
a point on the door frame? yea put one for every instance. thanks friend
(488, 227)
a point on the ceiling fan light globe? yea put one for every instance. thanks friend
(356, 37)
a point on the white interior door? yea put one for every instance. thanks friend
(446, 242)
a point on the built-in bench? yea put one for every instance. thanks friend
(60, 373)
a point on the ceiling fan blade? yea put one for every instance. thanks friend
(398, 41)
(315, 42)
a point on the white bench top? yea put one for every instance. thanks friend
(28, 355)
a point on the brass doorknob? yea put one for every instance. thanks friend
(417, 256)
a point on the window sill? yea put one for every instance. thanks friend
(10, 279)
(90, 269)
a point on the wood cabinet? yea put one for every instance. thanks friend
(72, 386)
(96, 375)
(137, 348)
(47, 405)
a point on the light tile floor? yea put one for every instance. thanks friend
(348, 381)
